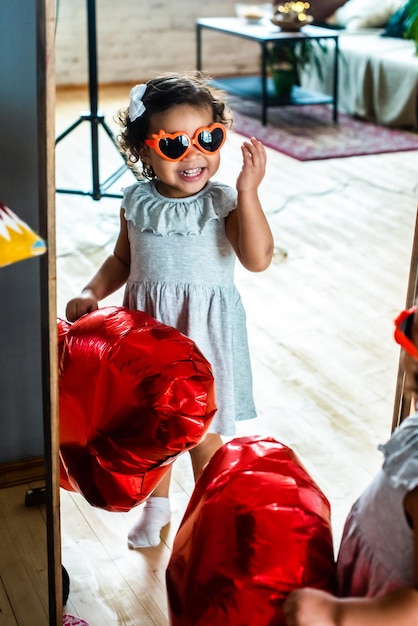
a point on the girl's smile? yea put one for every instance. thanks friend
(193, 174)
(188, 176)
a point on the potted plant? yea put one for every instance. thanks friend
(285, 61)
(411, 22)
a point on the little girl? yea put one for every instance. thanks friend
(377, 563)
(179, 234)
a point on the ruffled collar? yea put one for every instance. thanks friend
(150, 211)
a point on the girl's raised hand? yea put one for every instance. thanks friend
(254, 165)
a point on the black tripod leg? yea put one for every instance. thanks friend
(96, 192)
(69, 129)
(111, 135)
(94, 118)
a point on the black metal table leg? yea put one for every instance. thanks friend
(335, 85)
(264, 93)
(198, 48)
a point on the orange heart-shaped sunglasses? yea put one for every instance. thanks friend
(175, 146)
(403, 331)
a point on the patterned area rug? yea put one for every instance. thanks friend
(308, 133)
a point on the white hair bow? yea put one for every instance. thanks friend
(136, 106)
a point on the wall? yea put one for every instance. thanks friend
(137, 39)
(21, 415)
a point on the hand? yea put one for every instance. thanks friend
(82, 304)
(254, 165)
(310, 607)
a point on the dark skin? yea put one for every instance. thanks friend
(312, 607)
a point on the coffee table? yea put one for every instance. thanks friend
(261, 87)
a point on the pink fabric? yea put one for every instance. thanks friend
(72, 620)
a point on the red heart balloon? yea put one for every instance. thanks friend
(133, 395)
(257, 526)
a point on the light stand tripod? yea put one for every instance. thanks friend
(96, 119)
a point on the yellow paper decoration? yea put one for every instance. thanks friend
(17, 240)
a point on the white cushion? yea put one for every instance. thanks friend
(358, 14)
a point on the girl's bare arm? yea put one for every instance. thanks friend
(311, 607)
(247, 228)
(112, 274)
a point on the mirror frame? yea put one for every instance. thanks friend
(46, 24)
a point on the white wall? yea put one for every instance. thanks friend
(137, 39)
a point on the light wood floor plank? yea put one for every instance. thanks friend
(23, 561)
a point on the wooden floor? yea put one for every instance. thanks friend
(23, 559)
(320, 328)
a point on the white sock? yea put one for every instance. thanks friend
(146, 532)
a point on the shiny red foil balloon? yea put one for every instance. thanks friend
(257, 526)
(133, 395)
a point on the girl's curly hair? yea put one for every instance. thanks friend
(163, 93)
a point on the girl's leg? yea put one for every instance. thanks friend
(202, 454)
(155, 515)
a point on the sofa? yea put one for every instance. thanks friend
(378, 67)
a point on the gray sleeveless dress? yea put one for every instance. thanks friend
(377, 549)
(182, 274)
